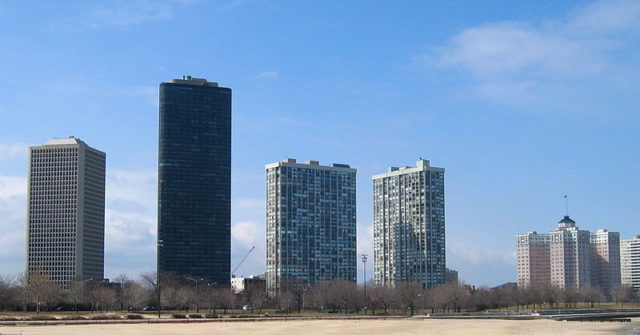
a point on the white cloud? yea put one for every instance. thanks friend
(12, 152)
(513, 48)
(13, 192)
(268, 74)
(247, 233)
(565, 64)
(149, 93)
(607, 16)
(130, 216)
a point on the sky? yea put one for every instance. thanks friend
(521, 102)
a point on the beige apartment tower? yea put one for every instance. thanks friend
(569, 257)
(65, 214)
(533, 259)
(605, 260)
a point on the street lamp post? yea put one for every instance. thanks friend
(196, 281)
(364, 277)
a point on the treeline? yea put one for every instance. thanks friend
(337, 296)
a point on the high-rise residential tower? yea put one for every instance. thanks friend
(630, 262)
(65, 215)
(311, 224)
(409, 225)
(605, 260)
(570, 255)
(533, 259)
(569, 258)
(194, 180)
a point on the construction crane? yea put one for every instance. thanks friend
(242, 261)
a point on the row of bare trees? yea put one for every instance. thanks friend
(337, 296)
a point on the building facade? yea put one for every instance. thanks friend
(569, 258)
(194, 180)
(630, 262)
(239, 284)
(570, 255)
(605, 260)
(534, 266)
(311, 224)
(409, 225)
(65, 214)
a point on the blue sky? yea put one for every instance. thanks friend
(521, 103)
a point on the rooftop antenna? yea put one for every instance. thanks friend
(566, 204)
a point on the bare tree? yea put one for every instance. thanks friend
(135, 295)
(376, 295)
(41, 290)
(226, 299)
(570, 297)
(409, 294)
(152, 280)
(590, 294)
(122, 280)
(623, 293)
(286, 300)
(9, 293)
(550, 294)
(75, 295)
(456, 295)
(257, 298)
(105, 297)
(342, 294)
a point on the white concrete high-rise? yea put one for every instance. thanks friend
(630, 262)
(409, 225)
(311, 224)
(65, 215)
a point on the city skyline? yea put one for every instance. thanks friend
(544, 110)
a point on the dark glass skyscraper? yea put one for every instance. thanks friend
(194, 180)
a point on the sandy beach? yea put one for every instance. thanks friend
(365, 327)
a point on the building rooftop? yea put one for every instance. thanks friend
(188, 80)
(421, 165)
(567, 219)
(310, 164)
(64, 141)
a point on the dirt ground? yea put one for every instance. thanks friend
(342, 327)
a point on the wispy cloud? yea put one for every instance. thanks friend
(481, 254)
(556, 63)
(126, 13)
(235, 4)
(12, 152)
(148, 93)
(268, 74)
(13, 197)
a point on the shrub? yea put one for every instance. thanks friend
(8, 318)
(211, 316)
(73, 317)
(195, 316)
(43, 317)
(179, 316)
(134, 316)
(106, 317)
